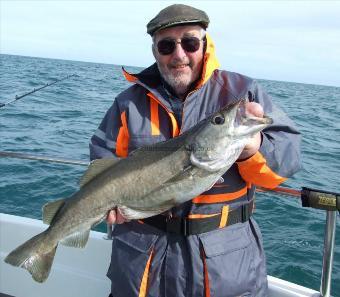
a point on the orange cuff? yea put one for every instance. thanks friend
(256, 171)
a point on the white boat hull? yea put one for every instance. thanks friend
(79, 272)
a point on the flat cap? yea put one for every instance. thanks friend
(177, 14)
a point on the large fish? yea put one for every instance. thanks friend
(150, 181)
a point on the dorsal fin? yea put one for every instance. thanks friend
(50, 209)
(96, 167)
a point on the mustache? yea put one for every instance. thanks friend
(179, 62)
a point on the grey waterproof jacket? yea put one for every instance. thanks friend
(225, 262)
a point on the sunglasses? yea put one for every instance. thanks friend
(167, 46)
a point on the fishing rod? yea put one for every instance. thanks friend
(35, 90)
(9, 154)
(310, 197)
(42, 158)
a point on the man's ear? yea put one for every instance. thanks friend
(204, 44)
(153, 50)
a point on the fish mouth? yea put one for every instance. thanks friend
(244, 118)
(253, 120)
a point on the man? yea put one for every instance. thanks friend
(157, 256)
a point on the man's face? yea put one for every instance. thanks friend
(180, 68)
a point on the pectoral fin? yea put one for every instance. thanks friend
(136, 213)
(208, 165)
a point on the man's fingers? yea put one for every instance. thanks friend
(120, 219)
(111, 217)
(115, 217)
(255, 109)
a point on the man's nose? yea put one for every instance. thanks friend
(179, 52)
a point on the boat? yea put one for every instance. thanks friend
(80, 272)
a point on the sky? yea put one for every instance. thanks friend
(297, 41)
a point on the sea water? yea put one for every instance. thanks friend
(59, 120)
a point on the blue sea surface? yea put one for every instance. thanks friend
(59, 121)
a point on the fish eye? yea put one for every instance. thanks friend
(218, 119)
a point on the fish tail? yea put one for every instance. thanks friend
(36, 255)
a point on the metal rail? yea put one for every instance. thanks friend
(328, 254)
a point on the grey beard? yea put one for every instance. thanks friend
(177, 83)
(180, 84)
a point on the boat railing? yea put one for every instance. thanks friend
(328, 254)
(330, 202)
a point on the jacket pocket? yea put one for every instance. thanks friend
(131, 250)
(228, 259)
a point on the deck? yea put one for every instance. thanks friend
(79, 272)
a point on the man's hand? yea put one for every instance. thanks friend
(114, 216)
(254, 144)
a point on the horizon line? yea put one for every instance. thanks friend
(143, 67)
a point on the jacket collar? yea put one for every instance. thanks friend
(210, 63)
